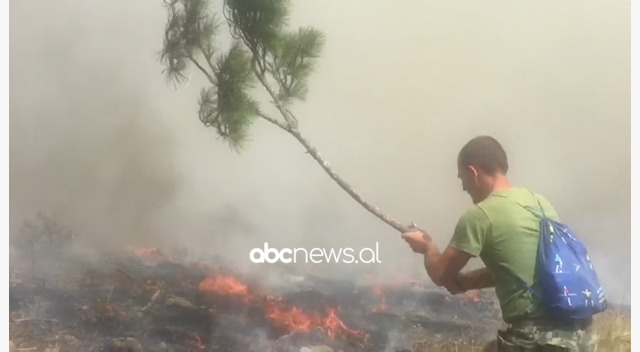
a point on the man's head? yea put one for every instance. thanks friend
(482, 167)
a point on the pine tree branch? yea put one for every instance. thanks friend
(327, 168)
(292, 129)
(344, 185)
(207, 55)
(274, 121)
(201, 68)
(291, 121)
(258, 27)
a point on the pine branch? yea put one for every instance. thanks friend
(344, 185)
(202, 69)
(311, 150)
(285, 58)
(274, 121)
(208, 55)
(291, 121)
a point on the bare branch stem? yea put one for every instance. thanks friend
(292, 129)
(208, 54)
(274, 121)
(292, 122)
(201, 68)
(344, 185)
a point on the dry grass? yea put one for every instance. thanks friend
(613, 329)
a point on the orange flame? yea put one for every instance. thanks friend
(288, 318)
(227, 286)
(378, 292)
(294, 319)
(197, 342)
(335, 327)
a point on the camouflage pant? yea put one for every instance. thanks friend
(546, 336)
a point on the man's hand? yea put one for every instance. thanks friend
(418, 240)
(455, 287)
(454, 290)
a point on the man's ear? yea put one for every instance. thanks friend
(474, 171)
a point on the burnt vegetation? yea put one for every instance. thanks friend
(142, 299)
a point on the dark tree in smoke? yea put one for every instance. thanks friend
(263, 52)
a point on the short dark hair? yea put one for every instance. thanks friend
(486, 153)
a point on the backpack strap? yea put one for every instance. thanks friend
(517, 278)
(539, 204)
(544, 215)
(525, 286)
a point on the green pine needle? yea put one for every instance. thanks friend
(261, 49)
(227, 106)
(294, 62)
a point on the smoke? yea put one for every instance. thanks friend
(102, 142)
(86, 146)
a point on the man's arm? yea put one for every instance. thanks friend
(468, 241)
(476, 279)
(444, 268)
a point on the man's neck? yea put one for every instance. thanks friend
(501, 183)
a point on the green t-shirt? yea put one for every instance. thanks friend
(505, 236)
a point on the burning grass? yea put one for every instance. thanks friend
(144, 297)
(141, 299)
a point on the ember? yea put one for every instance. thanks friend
(197, 342)
(148, 252)
(378, 292)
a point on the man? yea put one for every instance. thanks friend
(504, 234)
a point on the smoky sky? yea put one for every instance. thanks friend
(101, 141)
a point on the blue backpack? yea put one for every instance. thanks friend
(568, 283)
